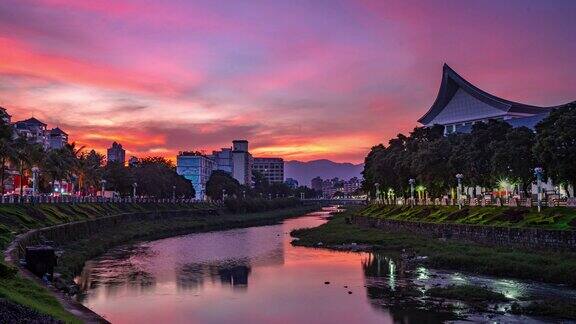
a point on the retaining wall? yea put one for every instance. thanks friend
(490, 235)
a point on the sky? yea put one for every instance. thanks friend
(302, 80)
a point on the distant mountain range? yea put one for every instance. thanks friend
(303, 172)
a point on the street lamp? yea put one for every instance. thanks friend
(459, 177)
(223, 194)
(411, 182)
(134, 185)
(103, 183)
(377, 185)
(174, 192)
(538, 173)
(244, 194)
(35, 171)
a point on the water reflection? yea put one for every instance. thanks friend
(232, 273)
(255, 275)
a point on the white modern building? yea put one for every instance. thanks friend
(197, 168)
(460, 104)
(242, 162)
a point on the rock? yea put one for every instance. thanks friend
(326, 282)
(349, 292)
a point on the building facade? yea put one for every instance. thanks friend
(116, 154)
(33, 130)
(241, 162)
(197, 168)
(223, 159)
(57, 138)
(460, 104)
(271, 168)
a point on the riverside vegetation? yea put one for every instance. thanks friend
(16, 219)
(544, 266)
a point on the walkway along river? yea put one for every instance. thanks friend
(254, 275)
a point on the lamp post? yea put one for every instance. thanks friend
(377, 185)
(174, 192)
(223, 194)
(103, 183)
(244, 194)
(411, 182)
(134, 185)
(459, 177)
(538, 173)
(35, 171)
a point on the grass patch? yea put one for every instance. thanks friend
(559, 218)
(552, 267)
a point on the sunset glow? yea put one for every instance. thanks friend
(302, 80)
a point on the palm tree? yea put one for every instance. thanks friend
(25, 155)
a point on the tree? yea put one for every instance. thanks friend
(6, 150)
(513, 158)
(89, 170)
(118, 178)
(25, 155)
(555, 145)
(219, 182)
(157, 177)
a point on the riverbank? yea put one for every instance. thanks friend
(554, 218)
(549, 266)
(415, 251)
(15, 219)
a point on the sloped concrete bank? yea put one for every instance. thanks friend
(533, 238)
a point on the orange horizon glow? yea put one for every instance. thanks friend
(304, 81)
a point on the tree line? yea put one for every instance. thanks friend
(490, 154)
(153, 176)
(222, 185)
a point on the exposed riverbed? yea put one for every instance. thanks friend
(254, 275)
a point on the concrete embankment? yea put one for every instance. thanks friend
(533, 238)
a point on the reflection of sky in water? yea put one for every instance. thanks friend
(255, 275)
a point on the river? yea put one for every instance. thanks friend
(254, 275)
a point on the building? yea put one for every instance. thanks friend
(57, 138)
(197, 168)
(316, 184)
(352, 186)
(116, 154)
(459, 104)
(242, 162)
(33, 130)
(223, 159)
(271, 168)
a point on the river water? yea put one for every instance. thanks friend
(254, 275)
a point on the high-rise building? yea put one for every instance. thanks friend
(197, 168)
(271, 168)
(116, 154)
(242, 162)
(57, 138)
